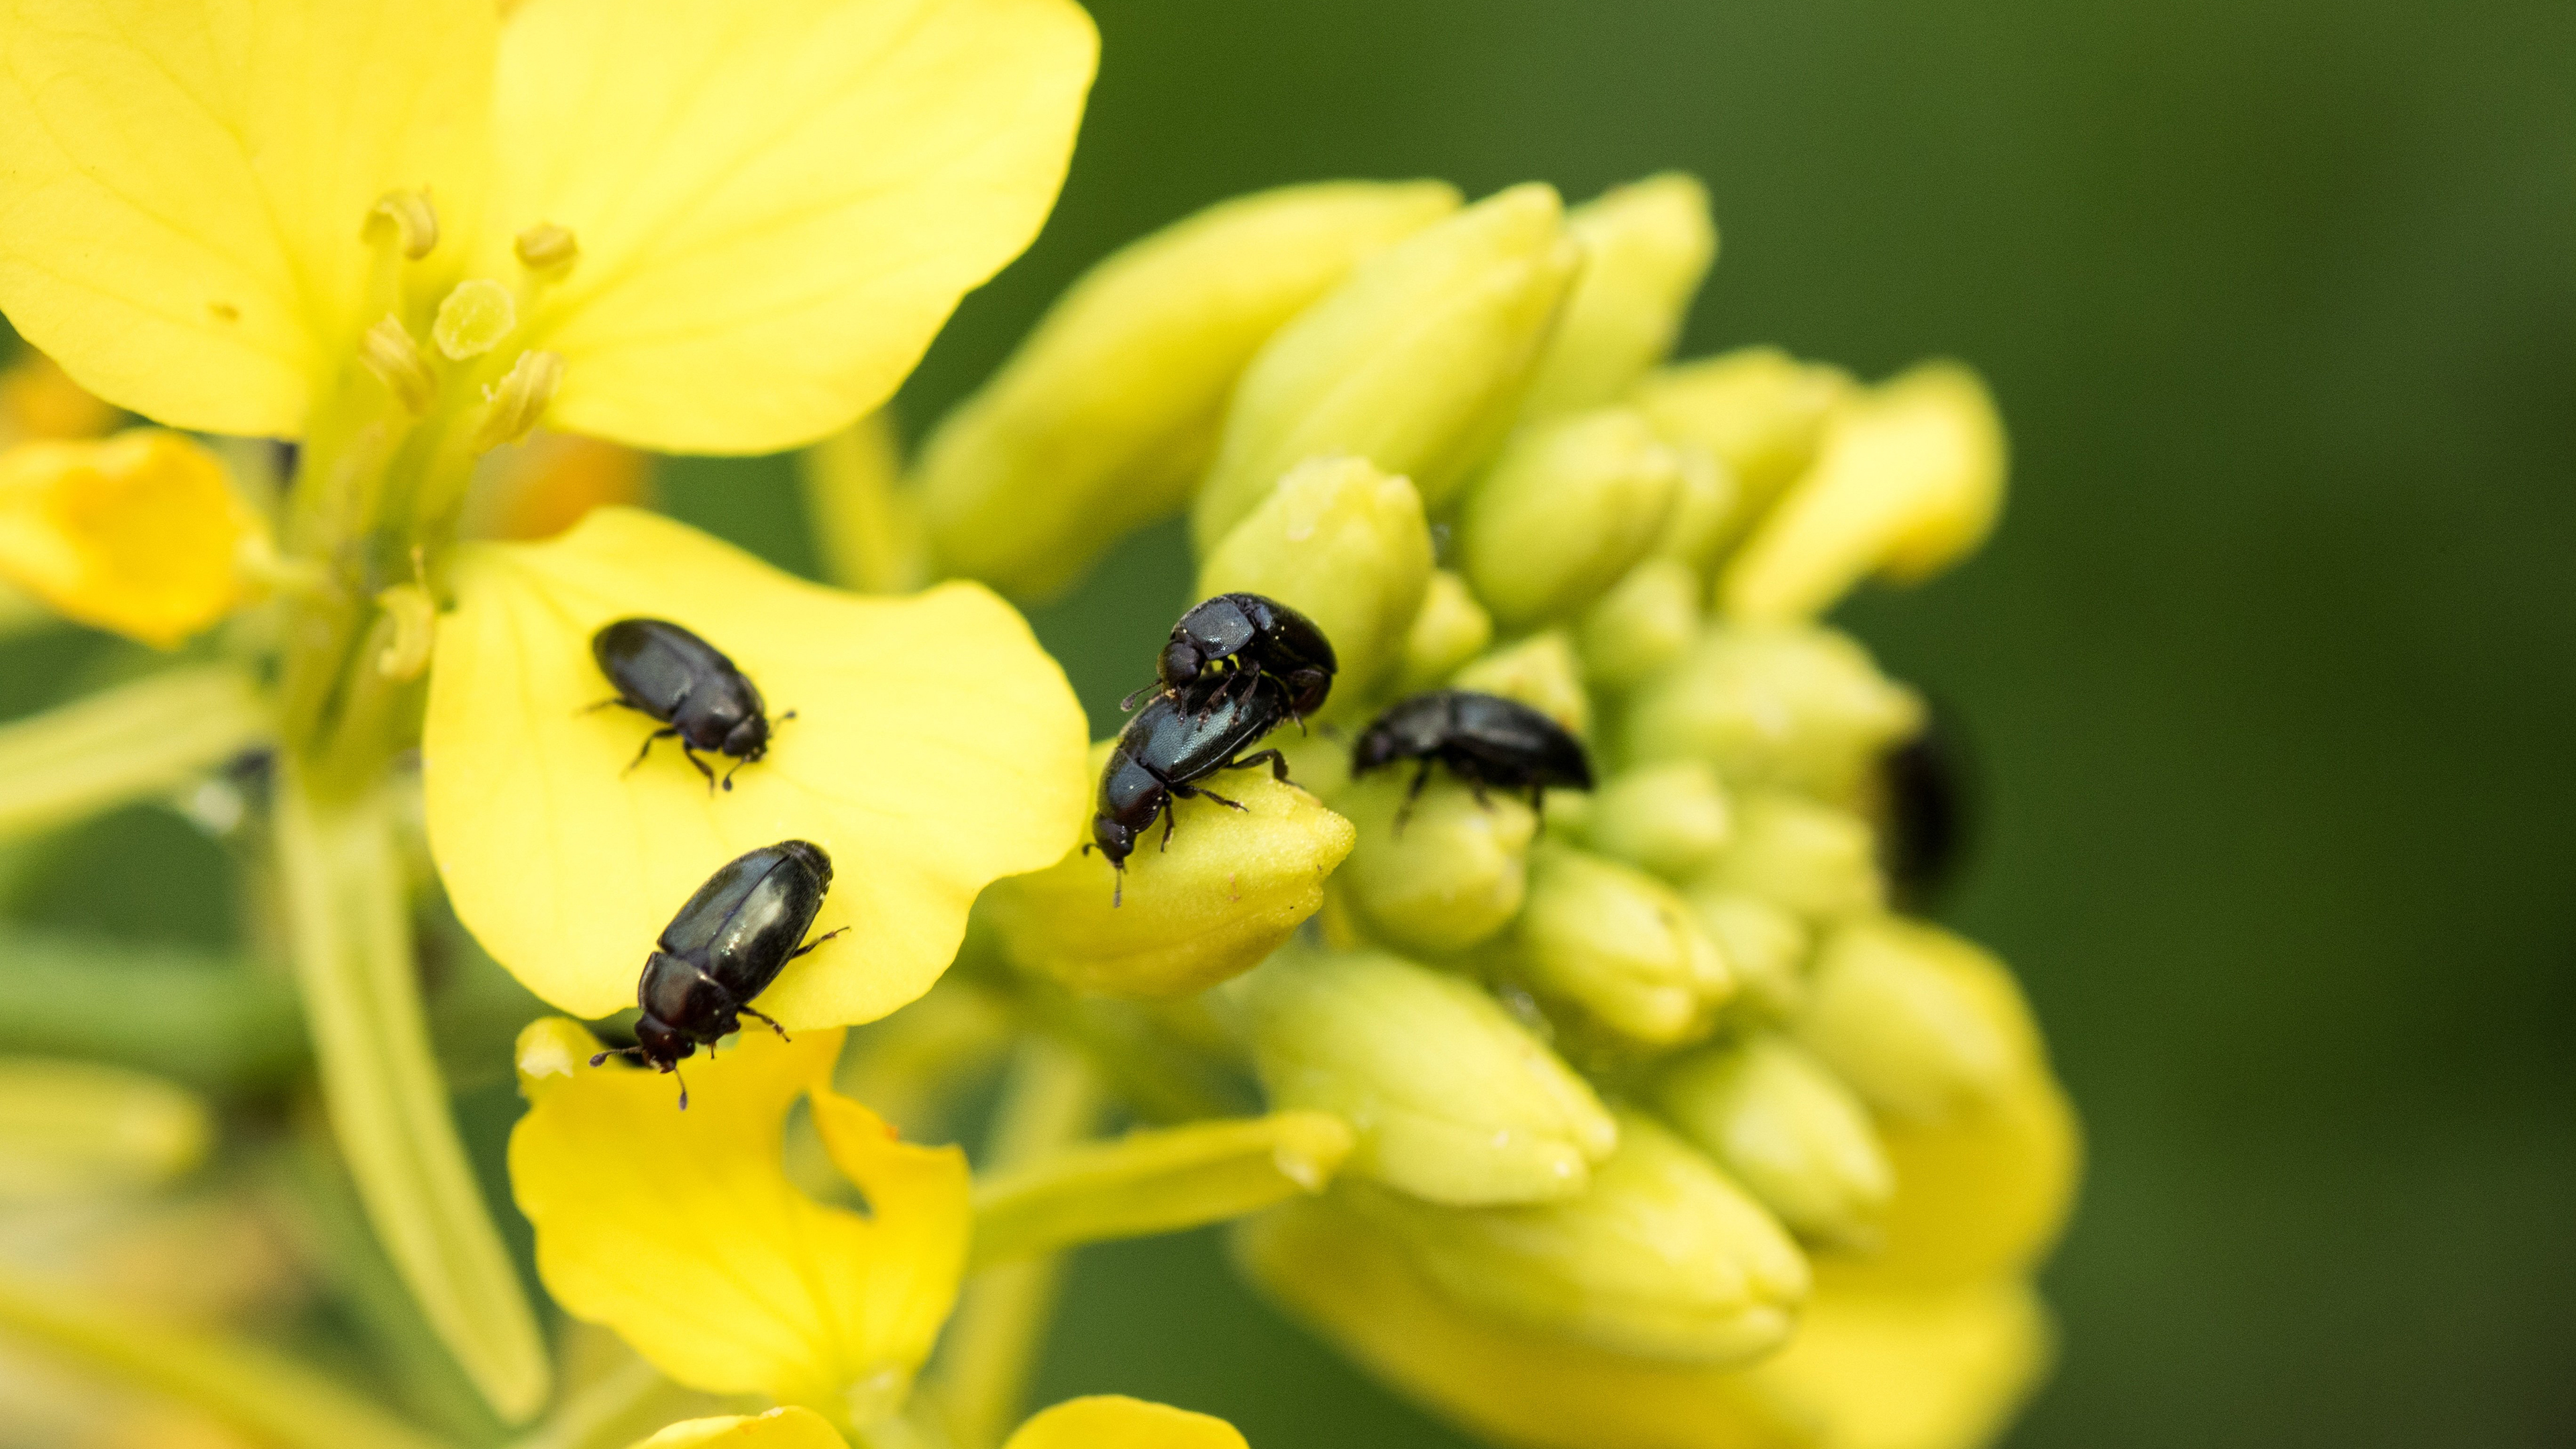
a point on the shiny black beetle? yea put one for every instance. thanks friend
(1246, 637)
(1163, 753)
(666, 673)
(1484, 738)
(724, 948)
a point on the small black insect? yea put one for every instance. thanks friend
(1246, 637)
(666, 673)
(1927, 803)
(1484, 739)
(724, 948)
(1166, 749)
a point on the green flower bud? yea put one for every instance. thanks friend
(1909, 478)
(1228, 891)
(1646, 247)
(1669, 818)
(1108, 412)
(1663, 1257)
(1704, 503)
(1567, 508)
(81, 1129)
(1450, 629)
(1619, 944)
(1792, 705)
(1453, 875)
(1415, 363)
(1646, 621)
(1759, 411)
(1347, 545)
(1790, 1131)
(1539, 671)
(1453, 1100)
(1924, 1025)
(1766, 947)
(1805, 857)
(1154, 1181)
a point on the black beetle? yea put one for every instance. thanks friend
(724, 948)
(1169, 746)
(666, 673)
(1927, 804)
(1246, 636)
(1484, 738)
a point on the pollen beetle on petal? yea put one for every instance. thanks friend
(725, 947)
(668, 674)
(1166, 749)
(1484, 739)
(1246, 636)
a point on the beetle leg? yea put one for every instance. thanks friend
(801, 950)
(1404, 812)
(618, 703)
(1168, 816)
(1278, 763)
(1221, 800)
(661, 734)
(765, 1016)
(1476, 788)
(692, 757)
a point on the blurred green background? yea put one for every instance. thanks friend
(2270, 668)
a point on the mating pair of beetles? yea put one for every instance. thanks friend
(1238, 664)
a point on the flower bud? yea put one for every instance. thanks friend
(1790, 1131)
(1453, 1100)
(1924, 1025)
(73, 1129)
(1619, 944)
(1228, 891)
(1155, 1181)
(1908, 478)
(1346, 545)
(1814, 860)
(1791, 705)
(1766, 947)
(1668, 818)
(1705, 500)
(1539, 671)
(1451, 875)
(1646, 621)
(1567, 508)
(1646, 247)
(1107, 413)
(1663, 1257)
(1759, 411)
(139, 533)
(1416, 362)
(1449, 629)
(1977, 1199)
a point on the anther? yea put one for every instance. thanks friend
(414, 619)
(410, 214)
(474, 318)
(389, 353)
(546, 246)
(515, 406)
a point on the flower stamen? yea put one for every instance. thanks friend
(516, 405)
(474, 318)
(388, 351)
(406, 216)
(546, 247)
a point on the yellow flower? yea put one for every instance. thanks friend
(681, 1230)
(935, 749)
(140, 533)
(736, 225)
(1100, 1421)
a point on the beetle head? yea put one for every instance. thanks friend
(658, 1044)
(1116, 839)
(748, 740)
(1180, 663)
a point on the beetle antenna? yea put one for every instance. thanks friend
(1118, 891)
(636, 1052)
(1128, 705)
(684, 1085)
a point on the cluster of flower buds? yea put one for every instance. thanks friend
(1666, 1129)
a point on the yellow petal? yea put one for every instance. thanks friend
(39, 400)
(1915, 1371)
(180, 212)
(1978, 1198)
(776, 205)
(788, 1428)
(139, 534)
(934, 749)
(681, 1230)
(1114, 1421)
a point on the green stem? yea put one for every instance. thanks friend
(267, 1398)
(631, 1402)
(1050, 1098)
(350, 933)
(126, 743)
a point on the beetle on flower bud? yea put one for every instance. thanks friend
(1249, 637)
(1485, 739)
(1166, 750)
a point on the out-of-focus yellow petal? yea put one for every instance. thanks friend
(1114, 1421)
(789, 1428)
(186, 183)
(39, 400)
(140, 534)
(1915, 1371)
(681, 1230)
(1981, 1197)
(776, 205)
(935, 748)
